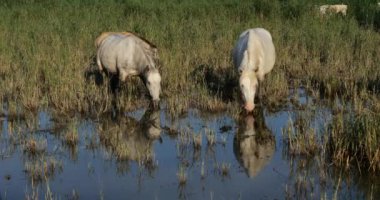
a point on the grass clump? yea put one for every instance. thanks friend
(211, 137)
(182, 176)
(71, 137)
(42, 168)
(35, 147)
(301, 140)
(354, 141)
(225, 169)
(197, 141)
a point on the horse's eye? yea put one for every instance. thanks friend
(148, 82)
(242, 85)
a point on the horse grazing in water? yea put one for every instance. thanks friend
(126, 54)
(253, 56)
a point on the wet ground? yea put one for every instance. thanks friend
(148, 155)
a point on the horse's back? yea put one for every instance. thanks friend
(267, 47)
(115, 50)
(258, 43)
(240, 47)
(104, 35)
(262, 42)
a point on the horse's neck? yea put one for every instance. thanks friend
(149, 58)
(148, 49)
(143, 42)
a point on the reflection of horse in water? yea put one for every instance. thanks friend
(254, 144)
(128, 139)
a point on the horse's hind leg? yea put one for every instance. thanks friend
(114, 87)
(114, 84)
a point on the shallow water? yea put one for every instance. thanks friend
(141, 154)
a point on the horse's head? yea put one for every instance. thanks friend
(248, 83)
(153, 83)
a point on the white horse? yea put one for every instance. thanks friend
(254, 56)
(339, 8)
(126, 54)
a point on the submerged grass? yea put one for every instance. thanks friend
(354, 141)
(34, 146)
(182, 176)
(47, 60)
(299, 141)
(41, 168)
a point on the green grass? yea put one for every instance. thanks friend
(46, 47)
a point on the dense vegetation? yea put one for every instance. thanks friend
(47, 51)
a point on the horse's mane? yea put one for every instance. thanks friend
(141, 38)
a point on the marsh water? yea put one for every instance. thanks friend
(147, 154)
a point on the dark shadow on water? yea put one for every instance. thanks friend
(219, 81)
(254, 144)
(127, 139)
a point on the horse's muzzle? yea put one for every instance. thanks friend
(249, 107)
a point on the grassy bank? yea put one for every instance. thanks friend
(47, 50)
(48, 45)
